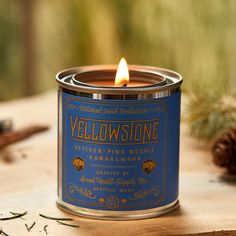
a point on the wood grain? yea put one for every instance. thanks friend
(207, 195)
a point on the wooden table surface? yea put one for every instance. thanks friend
(28, 182)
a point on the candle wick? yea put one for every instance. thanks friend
(124, 85)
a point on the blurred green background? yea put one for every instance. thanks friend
(38, 38)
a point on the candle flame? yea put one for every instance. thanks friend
(122, 74)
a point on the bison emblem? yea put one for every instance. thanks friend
(78, 163)
(148, 166)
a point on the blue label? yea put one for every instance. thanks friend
(120, 155)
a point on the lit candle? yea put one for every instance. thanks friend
(122, 78)
(118, 147)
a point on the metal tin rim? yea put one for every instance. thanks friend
(159, 80)
(175, 78)
(127, 215)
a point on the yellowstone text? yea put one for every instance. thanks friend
(107, 131)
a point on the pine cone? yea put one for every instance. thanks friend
(224, 150)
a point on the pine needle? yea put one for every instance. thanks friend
(15, 214)
(14, 217)
(3, 233)
(45, 229)
(70, 225)
(55, 218)
(30, 227)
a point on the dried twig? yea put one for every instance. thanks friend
(55, 218)
(6, 125)
(16, 136)
(14, 217)
(62, 223)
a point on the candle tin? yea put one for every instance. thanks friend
(118, 147)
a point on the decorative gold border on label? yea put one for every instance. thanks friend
(102, 102)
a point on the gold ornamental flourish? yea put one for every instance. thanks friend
(84, 191)
(164, 109)
(142, 193)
